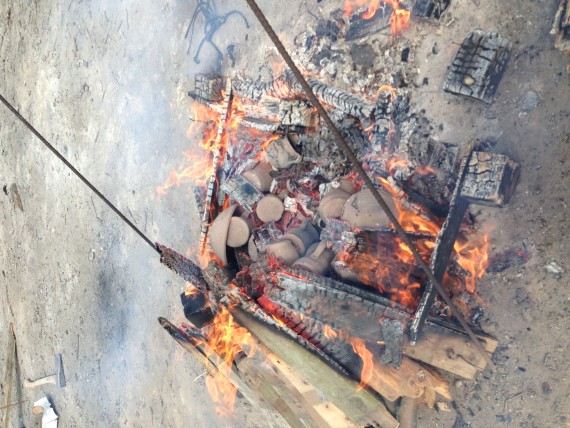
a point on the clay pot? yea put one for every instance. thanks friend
(362, 211)
(280, 154)
(239, 231)
(317, 262)
(302, 236)
(284, 249)
(219, 233)
(332, 203)
(346, 184)
(260, 177)
(269, 208)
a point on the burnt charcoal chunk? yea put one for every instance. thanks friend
(430, 8)
(196, 309)
(491, 179)
(478, 66)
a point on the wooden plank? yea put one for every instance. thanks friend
(360, 406)
(449, 350)
(8, 376)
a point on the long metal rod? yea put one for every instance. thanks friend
(362, 173)
(77, 173)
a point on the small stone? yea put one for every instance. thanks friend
(554, 268)
(459, 384)
(443, 406)
(530, 101)
(546, 388)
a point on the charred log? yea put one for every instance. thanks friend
(491, 179)
(478, 66)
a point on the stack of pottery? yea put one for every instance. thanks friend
(294, 243)
(228, 230)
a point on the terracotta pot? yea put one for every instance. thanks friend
(302, 236)
(219, 233)
(284, 249)
(362, 211)
(269, 208)
(318, 262)
(239, 231)
(281, 154)
(260, 177)
(332, 203)
(347, 184)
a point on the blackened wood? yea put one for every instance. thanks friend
(216, 163)
(242, 191)
(443, 249)
(430, 8)
(361, 27)
(342, 310)
(196, 309)
(478, 66)
(184, 267)
(491, 179)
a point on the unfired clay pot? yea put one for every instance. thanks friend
(269, 208)
(361, 211)
(318, 262)
(219, 233)
(332, 203)
(281, 154)
(260, 177)
(284, 249)
(302, 236)
(239, 231)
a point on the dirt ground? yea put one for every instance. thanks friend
(105, 82)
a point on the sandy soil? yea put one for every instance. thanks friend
(106, 83)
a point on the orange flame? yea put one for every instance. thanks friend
(367, 360)
(227, 339)
(472, 256)
(399, 20)
(197, 166)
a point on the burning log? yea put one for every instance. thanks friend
(255, 375)
(443, 249)
(359, 405)
(218, 154)
(286, 87)
(491, 179)
(361, 26)
(478, 66)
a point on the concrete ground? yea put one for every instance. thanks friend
(105, 82)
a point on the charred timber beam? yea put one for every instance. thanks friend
(182, 266)
(491, 179)
(216, 163)
(443, 249)
(287, 87)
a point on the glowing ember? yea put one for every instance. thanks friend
(227, 339)
(399, 20)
